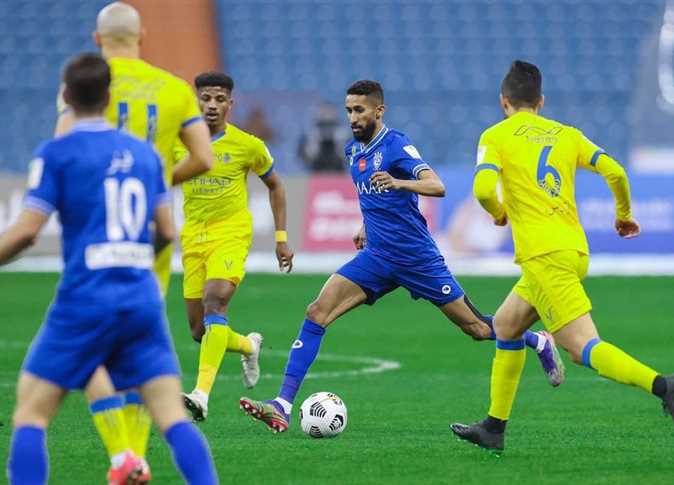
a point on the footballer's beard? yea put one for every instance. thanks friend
(366, 133)
(216, 122)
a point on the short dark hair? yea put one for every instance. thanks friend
(87, 79)
(366, 87)
(522, 85)
(214, 78)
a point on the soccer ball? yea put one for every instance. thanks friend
(323, 415)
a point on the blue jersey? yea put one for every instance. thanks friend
(105, 185)
(394, 227)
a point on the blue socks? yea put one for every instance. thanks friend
(530, 338)
(302, 355)
(28, 457)
(191, 454)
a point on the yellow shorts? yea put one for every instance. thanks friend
(218, 251)
(551, 283)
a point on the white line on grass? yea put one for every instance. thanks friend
(369, 365)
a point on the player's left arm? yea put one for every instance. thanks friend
(262, 163)
(277, 201)
(21, 234)
(594, 159)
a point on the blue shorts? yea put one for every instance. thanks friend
(132, 343)
(377, 277)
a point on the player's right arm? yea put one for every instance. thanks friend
(593, 158)
(487, 172)
(41, 200)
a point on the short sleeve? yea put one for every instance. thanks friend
(488, 154)
(408, 159)
(588, 153)
(191, 112)
(43, 190)
(261, 161)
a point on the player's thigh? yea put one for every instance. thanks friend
(36, 401)
(99, 386)
(338, 296)
(373, 277)
(194, 271)
(555, 288)
(514, 316)
(227, 254)
(161, 395)
(575, 335)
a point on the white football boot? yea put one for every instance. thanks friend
(250, 363)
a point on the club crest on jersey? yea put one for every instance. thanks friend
(377, 160)
(362, 164)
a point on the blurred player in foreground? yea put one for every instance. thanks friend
(536, 159)
(396, 250)
(217, 234)
(156, 106)
(107, 187)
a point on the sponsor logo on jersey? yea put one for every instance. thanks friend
(362, 164)
(121, 162)
(367, 189)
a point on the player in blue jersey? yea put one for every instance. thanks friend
(107, 188)
(396, 250)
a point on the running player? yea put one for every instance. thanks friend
(396, 250)
(217, 234)
(158, 107)
(536, 159)
(107, 187)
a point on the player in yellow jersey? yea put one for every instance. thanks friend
(536, 160)
(160, 108)
(217, 234)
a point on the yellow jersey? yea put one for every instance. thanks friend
(536, 159)
(222, 191)
(151, 104)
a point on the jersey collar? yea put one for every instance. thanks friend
(218, 135)
(92, 124)
(378, 137)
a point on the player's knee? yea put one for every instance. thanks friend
(317, 314)
(27, 417)
(214, 304)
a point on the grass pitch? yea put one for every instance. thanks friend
(587, 431)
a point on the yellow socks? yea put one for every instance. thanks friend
(239, 343)
(109, 421)
(611, 362)
(213, 348)
(505, 376)
(138, 423)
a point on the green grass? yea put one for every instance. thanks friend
(587, 431)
